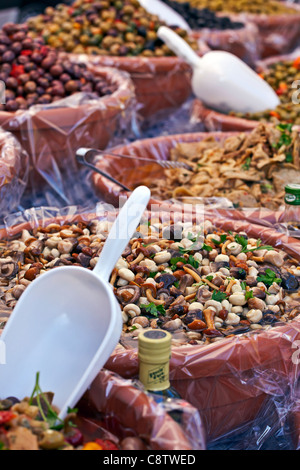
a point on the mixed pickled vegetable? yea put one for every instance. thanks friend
(103, 27)
(268, 7)
(283, 77)
(196, 281)
(34, 424)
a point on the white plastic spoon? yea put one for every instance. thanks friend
(165, 13)
(68, 321)
(221, 80)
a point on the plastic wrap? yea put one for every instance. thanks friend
(51, 134)
(13, 172)
(241, 386)
(215, 121)
(162, 84)
(278, 34)
(127, 411)
(243, 42)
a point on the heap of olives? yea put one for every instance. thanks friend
(267, 7)
(34, 74)
(103, 27)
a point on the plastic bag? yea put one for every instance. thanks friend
(51, 134)
(13, 172)
(127, 411)
(243, 42)
(162, 84)
(278, 34)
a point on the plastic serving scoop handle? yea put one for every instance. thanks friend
(68, 321)
(165, 13)
(121, 231)
(221, 80)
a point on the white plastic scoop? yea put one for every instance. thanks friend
(221, 80)
(165, 13)
(68, 321)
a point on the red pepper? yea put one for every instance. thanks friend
(6, 416)
(296, 63)
(274, 114)
(16, 70)
(106, 444)
(26, 52)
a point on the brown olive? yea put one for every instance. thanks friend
(23, 59)
(12, 82)
(9, 95)
(30, 87)
(30, 66)
(23, 78)
(71, 86)
(56, 70)
(36, 57)
(44, 99)
(65, 77)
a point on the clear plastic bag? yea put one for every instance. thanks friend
(51, 134)
(13, 172)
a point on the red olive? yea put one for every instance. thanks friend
(8, 56)
(12, 82)
(12, 105)
(71, 86)
(30, 87)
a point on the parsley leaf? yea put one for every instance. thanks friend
(247, 164)
(206, 247)
(193, 262)
(218, 296)
(249, 295)
(269, 277)
(153, 309)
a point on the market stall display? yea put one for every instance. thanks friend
(230, 363)
(209, 272)
(121, 36)
(282, 74)
(220, 32)
(54, 105)
(277, 22)
(248, 169)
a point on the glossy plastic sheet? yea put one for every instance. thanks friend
(13, 172)
(162, 84)
(127, 411)
(244, 42)
(278, 34)
(51, 134)
(241, 386)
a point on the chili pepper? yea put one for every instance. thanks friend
(6, 416)
(26, 52)
(16, 70)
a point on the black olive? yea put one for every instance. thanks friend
(193, 315)
(167, 279)
(238, 273)
(289, 282)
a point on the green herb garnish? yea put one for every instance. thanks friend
(49, 416)
(218, 296)
(206, 247)
(269, 277)
(249, 295)
(247, 164)
(153, 309)
(243, 241)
